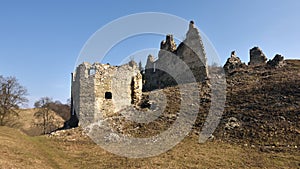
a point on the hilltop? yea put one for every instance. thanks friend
(261, 109)
(264, 105)
(259, 128)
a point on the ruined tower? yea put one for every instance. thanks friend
(191, 51)
(100, 90)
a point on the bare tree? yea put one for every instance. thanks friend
(63, 110)
(12, 96)
(44, 113)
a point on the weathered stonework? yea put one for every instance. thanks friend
(257, 57)
(277, 61)
(233, 62)
(168, 44)
(190, 52)
(100, 90)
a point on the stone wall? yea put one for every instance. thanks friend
(100, 90)
(233, 63)
(277, 61)
(173, 60)
(257, 57)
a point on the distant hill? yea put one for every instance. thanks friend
(26, 122)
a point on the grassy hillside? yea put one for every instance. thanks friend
(70, 151)
(26, 122)
(266, 104)
(21, 151)
(262, 108)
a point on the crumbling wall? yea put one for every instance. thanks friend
(232, 63)
(168, 44)
(127, 86)
(83, 93)
(257, 57)
(103, 86)
(150, 75)
(277, 61)
(101, 90)
(190, 51)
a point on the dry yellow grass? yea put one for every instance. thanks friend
(26, 121)
(21, 151)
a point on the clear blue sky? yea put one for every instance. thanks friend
(40, 40)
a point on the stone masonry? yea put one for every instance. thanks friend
(257, 57)
(277, 61)
(190, 52)
(233, 62)
(100, 90)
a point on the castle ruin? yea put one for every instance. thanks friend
(101, 90)
(191, 51)
(257, 58)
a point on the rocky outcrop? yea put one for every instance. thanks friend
(233, 62)
(257, 57)
(277, 61)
